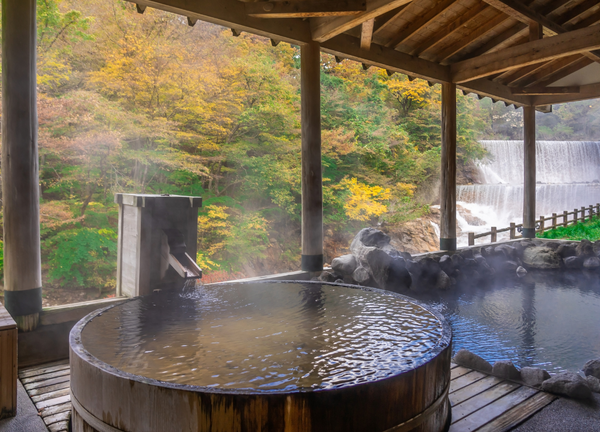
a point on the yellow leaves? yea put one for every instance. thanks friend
(405, 190)
(409, 94)
(364, 202)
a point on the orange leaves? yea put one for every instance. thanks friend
(337, 142)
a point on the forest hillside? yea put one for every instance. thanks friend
(147, 104)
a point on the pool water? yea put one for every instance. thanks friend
(266, 336)
(547, 319)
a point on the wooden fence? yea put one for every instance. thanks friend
(579, 215)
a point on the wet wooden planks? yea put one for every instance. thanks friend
(49, 388)
(485, 403)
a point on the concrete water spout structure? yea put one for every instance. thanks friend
(158, 236)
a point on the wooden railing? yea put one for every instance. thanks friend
(579, 215)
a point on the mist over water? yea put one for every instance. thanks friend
(568, 177)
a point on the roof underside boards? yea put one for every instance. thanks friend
(522, 52)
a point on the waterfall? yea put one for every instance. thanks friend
(568, 177)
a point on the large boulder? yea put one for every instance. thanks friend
(372, 237)
(534, 377)
(345, 264)
(505, 369)
(470, 360)
(594, 383)
(541, 258)
(568, 384)
(389, 273)
(585, 248)
(573, 262)
(592, 368)
(443, 281)
(566, 250)
(591, 263)
(361, 275)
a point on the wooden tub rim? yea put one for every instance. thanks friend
(77, 348)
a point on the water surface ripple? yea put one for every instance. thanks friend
(264, 337)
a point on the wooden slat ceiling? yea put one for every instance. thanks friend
(522, 52)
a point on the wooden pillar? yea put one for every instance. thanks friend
(448, 174)
(312, 183)
(20, 183)
(529, 168)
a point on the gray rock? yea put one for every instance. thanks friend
(534, 377)
(508, 251)
(339, 281)
(596, 247)
(521, 271)
(389, 273)
(446, 264)
(467, 359)
(345, 264)
(566, 250)
(361, 275)
(506, 369)
(568, 384)
(585, 248)
(592, 368)
(541, 258)
(592, 262)
(594, 383)
(328, 276)
(573, 262)
(467, 253)
(443, 281)
(373, 237)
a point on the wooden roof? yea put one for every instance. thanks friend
(522, 52)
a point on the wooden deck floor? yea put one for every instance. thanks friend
(480, 402)
(484, 403)
(48, 388)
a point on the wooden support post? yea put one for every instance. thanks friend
(591, 212)
(565, 218)
(542, 221)
(582, 214)
(513, 228)
(598, 208)
(494, 235)
(471, 238)
(20, 182)
(8, 365)
(574, 216)
(312, 183)
(448, 174)
(554, 220)
(529, 168)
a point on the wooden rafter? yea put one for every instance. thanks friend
(577, 41)
(506, 37)
(537, 91)
(382, 22)
(560, 73)
(305, 8)
(449, 30)
(473, 36)
(325, 28)
(541, 70)
(414, 26)
(517, 10)
(366, 35)
(575, 12)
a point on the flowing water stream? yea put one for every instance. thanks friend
(568, 177)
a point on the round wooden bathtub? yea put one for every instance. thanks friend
(353, 362)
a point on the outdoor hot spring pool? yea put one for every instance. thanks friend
(549, 320)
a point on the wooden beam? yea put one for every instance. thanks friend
(504, 38)
(448, 169)
(383, 21)
(537, 91)
(305, 9)
(577, 41)
(367, 34)
(20, 176)
(346, 46)
(590, 91)
(419, 22)
(529, 167)
(232, 14)
(491, 89)
(312, 182)
(519, 11)
(325, 28)
(575, 12)
(448, 31)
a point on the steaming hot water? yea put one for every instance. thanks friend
(568, 177)
(265, 337)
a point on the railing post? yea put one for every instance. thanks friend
(565, 218)
(582, 214)
(494, 235)
(471, 238)
(512, 230)
(591, 212)
(553, 220)
(574, 216)
(597, 208)
(541, 230)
